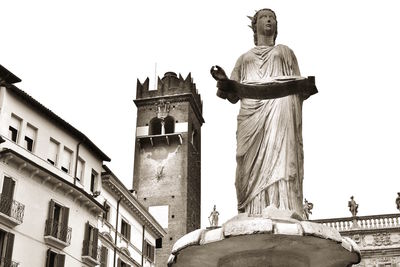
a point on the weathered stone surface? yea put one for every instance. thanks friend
(320, 230)
(287, 229)
(258, 241)
(273, 212)
(192, 238)
(212, 236)
(244, 225)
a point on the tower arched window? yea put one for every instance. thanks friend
(162, 126)
(155, 126)
(169, 124)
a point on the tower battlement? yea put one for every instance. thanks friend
(169, 85)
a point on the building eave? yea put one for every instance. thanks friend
(7, 76)
(79, 194)
(33, 103)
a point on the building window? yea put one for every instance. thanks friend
(162, 126)
(7, 196)
(66, 160)
(106, 214)
(155, 126)
(6, 248)
(53, 152)
(80, 169)
(125, 229)
(54, 259)
(148, 251)
(14, 128)
(90, 242)
(121, 263)
(104, 256)
(57, 222)
(93, 181)
(30, 137)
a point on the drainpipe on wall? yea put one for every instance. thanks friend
(77, 157)
(144, 228)
(116, 231)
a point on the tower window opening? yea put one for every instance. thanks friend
(155, 126)
(169, 124)
(162, 126)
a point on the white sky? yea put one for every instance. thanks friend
(81, 59)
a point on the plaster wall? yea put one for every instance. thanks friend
(47, 129)
(29, 245)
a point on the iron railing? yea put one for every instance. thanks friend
(12, 208)
(58, 230)
(8, 263)
(92, 250)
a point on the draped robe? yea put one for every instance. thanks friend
(269, 151)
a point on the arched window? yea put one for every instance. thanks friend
(169, 124)
(155, 126)
(160, 126)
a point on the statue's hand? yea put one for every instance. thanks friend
(226, 87)
(218, 73)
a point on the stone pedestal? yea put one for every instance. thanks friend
(274, 239)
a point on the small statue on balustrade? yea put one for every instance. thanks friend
(213, 218)
(398, 201)
(307, 207)
(353, 206)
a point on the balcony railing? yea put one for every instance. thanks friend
(8, 263)
(383, 221)
(58, 230)
(12, 208)
(91, 250)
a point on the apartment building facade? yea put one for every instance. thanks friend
(52, 202)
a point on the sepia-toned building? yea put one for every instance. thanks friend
(59, 204)
(167, 156)
(378, 237)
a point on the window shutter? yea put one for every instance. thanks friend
(104, 255)
(30, 132)
(15, 122)
(51, 210)
(9, 247)
(48, 258)
(60, 260)
(8, 188)
(129, 232)
(53, 151)
(95, 239)
(66, 159)
(86, 241)
(152, 253)
(79, 171)
(119, 262)
(64, 226)
(7, 194)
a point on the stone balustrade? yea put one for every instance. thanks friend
(383, 221)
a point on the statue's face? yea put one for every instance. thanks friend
(266, 23)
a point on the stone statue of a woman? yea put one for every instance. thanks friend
(269, 155)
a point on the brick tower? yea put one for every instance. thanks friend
(167, 156)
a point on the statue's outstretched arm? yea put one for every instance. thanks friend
(276, 89)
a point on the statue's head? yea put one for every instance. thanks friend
(261, 15)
